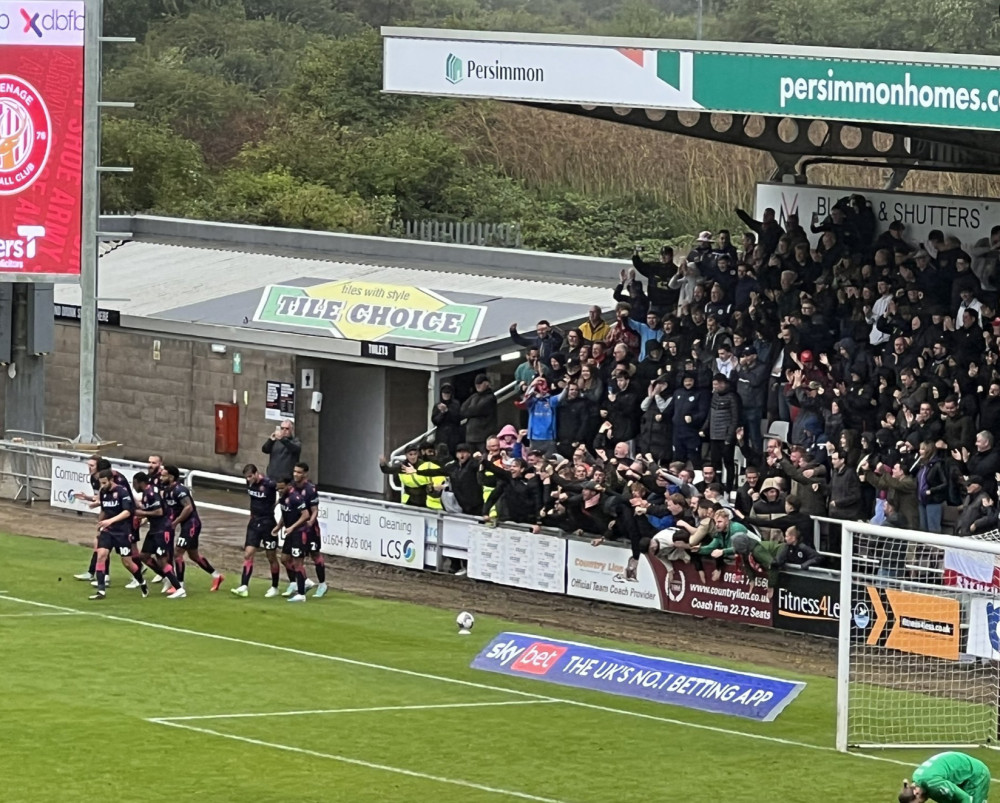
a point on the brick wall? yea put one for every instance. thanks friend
(164, 406)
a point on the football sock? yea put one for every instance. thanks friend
(100, 575)
(168, 573)
(202, 561)
(320, 569)
(300, 579)
(247, 572)
(275, 577)
(179, 568)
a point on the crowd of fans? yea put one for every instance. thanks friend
(872, 360)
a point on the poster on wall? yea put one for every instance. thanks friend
(41, 139)
(279, 401)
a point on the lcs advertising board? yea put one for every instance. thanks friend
(373, 534)
(70, 481)
(41, 139)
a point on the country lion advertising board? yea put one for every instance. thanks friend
(355, 310)
(41, 139)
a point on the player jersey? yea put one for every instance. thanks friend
(174, 498)
(113, 502)
(310, 494)
(117, 479)
(263, 496)
(292, 505)
(150, 501)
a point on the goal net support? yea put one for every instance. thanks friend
(919, 640)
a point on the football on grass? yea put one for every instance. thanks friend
(465, 621)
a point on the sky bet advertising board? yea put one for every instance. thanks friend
(41, 138)
(647, 677)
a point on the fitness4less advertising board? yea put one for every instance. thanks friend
(824, 83)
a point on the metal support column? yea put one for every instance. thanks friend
(93, 16)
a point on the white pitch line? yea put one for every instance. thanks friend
(426, 676)
(429, 707)
(359, 763)
(39, 613)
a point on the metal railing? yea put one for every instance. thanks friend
(463, 232)
(508, 391)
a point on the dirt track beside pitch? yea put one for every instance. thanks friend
(222, 542)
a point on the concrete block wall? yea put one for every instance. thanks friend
(165, 406)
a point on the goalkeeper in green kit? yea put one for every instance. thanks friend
(948, 778)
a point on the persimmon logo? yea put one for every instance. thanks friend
(25, 134)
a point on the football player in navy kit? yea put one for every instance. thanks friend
(184, 515)
(263, 495)
(294, 521)
(95, 465)
(158, 546)
(300, 476)
(114, 531)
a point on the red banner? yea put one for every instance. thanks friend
(733, 596)
(41, 138)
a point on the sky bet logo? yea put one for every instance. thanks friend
(536, 659)
(40, 23)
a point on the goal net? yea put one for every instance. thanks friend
(919, 648)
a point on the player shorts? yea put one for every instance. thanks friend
(187, 538)
(119, 541)
(313, 540)
(296, 544)
(259, 534)
(160, 544)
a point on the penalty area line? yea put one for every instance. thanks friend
(466, 683)
(372, 709)
(424, 776)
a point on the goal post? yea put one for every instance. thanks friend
(918, 654)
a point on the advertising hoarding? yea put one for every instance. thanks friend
(41, 139)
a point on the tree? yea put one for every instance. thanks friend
(168, 170)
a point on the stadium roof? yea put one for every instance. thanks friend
(311, 293)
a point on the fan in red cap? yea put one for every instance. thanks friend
(813, 371)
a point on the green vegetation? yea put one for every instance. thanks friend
(74, 681)
(270, 112)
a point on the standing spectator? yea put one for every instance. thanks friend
(662, 295)
(447, 418)
(845, 489)
(724, 418)
(767, 229)
(542, 413)
(932, 487)
(751, 379)
(526, 372)
(547, 339)
(573, 420)
(621, 410)
(480, 413)
(463, 490)
(984, 461)
(657, 421)
(977, 513)
(690, 410)
(284, 450)
(621, 332)
(595, 327)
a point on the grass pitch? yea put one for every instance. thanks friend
(215, 698)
